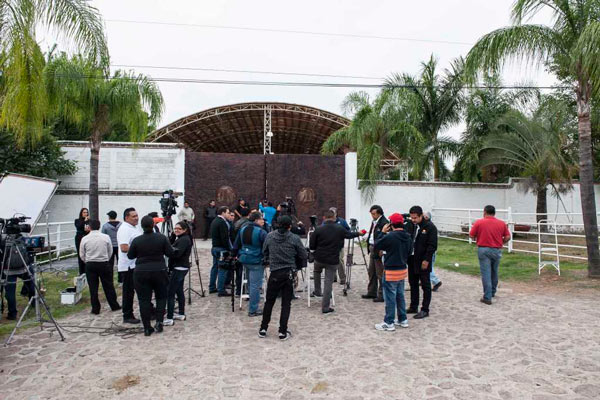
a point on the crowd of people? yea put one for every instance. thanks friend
(401, 247)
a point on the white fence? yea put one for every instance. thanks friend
(455, 223)
(59, 238)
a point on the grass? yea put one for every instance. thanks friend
(513, 266)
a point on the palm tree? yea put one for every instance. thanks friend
(570, 48)
(537, 147)
(438, 101)
(24, 104)
(379, 130)
(97, 102)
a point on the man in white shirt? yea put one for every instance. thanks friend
(186, 213)
(95, 250)
(128, 230)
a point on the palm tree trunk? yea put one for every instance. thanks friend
(541, 209)
(436, 167)
(586, 179)
(99, 128)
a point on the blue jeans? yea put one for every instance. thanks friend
(489, 260)
(176, 281)
(216, 272)
(254, 274)
(393, 295)
(432, 276)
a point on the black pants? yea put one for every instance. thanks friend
(78, 238)
(238, 278)
(97, 272)
(147, 282)
(10, 291)
(375, 272)
(280, 281)
(414, 279)
(176, 281)
(128, 293)
(207, 223)
(114, 259)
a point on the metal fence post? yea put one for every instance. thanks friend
(511, 229)
(58, 242)
(469, 233)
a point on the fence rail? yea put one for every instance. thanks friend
(59, 239)
(456, 223)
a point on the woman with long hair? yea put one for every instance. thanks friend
(179, 266)
(82, 228)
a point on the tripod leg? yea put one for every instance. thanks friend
(31, 300)
(43, 302)
(190, 287)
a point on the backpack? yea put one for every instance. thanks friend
(251, 253)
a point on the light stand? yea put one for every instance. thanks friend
(350, 256)
(189, 288)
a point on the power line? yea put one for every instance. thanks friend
(289, 31)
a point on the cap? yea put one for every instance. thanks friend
(112, 214)
(396, 219)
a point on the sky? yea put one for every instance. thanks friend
(444, 28)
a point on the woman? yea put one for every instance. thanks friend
(242, 209)
(179, 265)
(150, 274)
(82, 228)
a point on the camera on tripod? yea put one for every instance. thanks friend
(168, 204)
(15, 225)
(353, 223)
(288, 207)
(313, 221)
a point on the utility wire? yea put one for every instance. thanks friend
(289, 31)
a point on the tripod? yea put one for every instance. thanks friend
(167, 226)
(12, 249)
(350, 258)
(189, 288)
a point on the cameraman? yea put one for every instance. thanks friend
(13, 269)
(219, 232)
(327, 241)
(281, 249)
(285, 209)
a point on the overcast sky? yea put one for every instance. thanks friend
(435, 21)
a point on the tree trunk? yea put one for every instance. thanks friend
(586, 179)
(436, 167)
(99, 129)
(541, 210)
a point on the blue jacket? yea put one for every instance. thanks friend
(249, 243)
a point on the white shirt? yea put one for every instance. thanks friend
(95, 247)
(372, 237)
(125, 235)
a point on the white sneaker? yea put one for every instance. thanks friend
(168, 322)
(402, 324)
(385, 327)
(179, 317)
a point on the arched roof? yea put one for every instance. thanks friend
(239, 128)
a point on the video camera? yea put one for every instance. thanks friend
(353, 223)
(313, 221)
(168, 204)
(226, 261)
(15, 225)
(288, 207)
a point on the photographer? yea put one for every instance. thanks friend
(82, 228)
(150, 276)
(219, 232)
(266, 207)
(397, 245)
(285, 209)
(281, 249)
(179, 266)
(327, 241)
(374, 289)
(248, 247)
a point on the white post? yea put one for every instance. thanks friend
(511, 229)
(469, 233)
(58, 242)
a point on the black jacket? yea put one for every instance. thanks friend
(183, 249)
(219, 231)
(150, 250)
(377, 232)
(299, 230)
(210, 212)
(425, 244)
(397, 246)
(327, 241)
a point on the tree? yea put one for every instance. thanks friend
(25, 105)
(570, 48)
(378, 128)
(96, 102)
(535, 146)
(437, 101)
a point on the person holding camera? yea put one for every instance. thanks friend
(282, 250)
(248, 248)
(396, 245)
(179, 266)
(375, 271)
(326, 242)
(150, 276)
(221, 241)
(82, 228)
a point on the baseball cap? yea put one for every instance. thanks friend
(396, 219)
(112, 214)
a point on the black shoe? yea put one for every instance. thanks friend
(488, 302)
(117, 308)
(330, 310)
(262, 333)
(158, 327)
(11, 317)
(412, 311)
(131, 320)
(421, 314)
(378, 300)
(313, 294)
(285, 336)
(255, 314)
(224, 294)
(149, 331)
(95, 312)
(368, 296)
(437, 286)
(212, 291)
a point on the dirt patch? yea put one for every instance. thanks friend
(124, 382)
(320, 387)
(572, 282)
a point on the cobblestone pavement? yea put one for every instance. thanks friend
(525, 346)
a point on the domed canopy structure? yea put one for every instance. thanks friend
(243, 128)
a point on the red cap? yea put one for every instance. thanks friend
(396, 219)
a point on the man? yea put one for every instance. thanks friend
(95, 250)
(375, 271)
(281, 249)
(425, 237)
(248, 247)
(435, 281)
(219, 232)
(110, 228)
(342, 265)
(186, 213)
(128, 230)
(491, 234)
(397, 246)
(210, 213)
(266, 207)
(327, 241)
